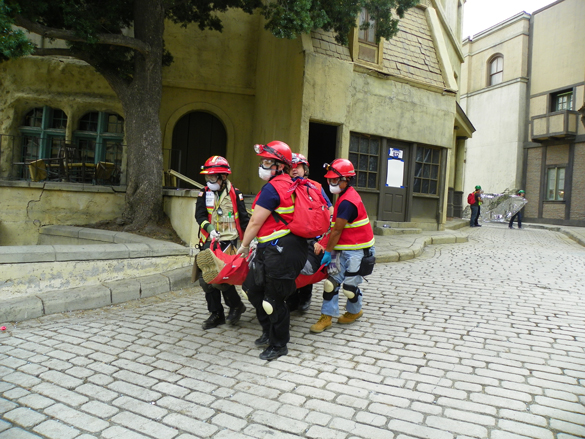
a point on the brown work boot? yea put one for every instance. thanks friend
(322, 324)
(349, 317)
(209, 264)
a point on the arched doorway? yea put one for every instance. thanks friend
(197, 136)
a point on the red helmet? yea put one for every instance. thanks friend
(216, 165)
(298, 159)
(275, 150)
(339, 168)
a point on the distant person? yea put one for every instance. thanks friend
(518, 215)
(222, 215)
(476, 207)
(350, 242)
(301, 299)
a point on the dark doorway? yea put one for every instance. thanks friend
(196, 137)
(393, 196)
(322, 149)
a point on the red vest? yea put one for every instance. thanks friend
(234, 200)
(272, 229)
(359, 234)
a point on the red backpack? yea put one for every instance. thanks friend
(471, 198)
(311, 217)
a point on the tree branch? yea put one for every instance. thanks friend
(61, 34)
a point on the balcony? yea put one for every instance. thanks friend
(558, 125)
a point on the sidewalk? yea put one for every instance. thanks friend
(392, 248)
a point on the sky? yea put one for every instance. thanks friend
(479, 15)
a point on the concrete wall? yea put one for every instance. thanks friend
(27, 207)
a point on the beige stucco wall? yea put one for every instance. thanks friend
(558, 51)
(26, 208)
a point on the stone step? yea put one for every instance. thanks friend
(386, 231)
(407, 225)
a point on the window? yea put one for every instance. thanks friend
(562, 100)
(496, 70)
(367, 48)
(364, 153)
(555, 184)
(43, 133)
(426, 171)
(100, 137)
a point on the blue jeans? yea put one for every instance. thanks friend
(474, 215)
(349, 261)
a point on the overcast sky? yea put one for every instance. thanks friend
(479, 15)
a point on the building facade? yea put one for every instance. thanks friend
(525, 93)
(390, 107)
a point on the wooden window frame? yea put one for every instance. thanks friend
(419, 166)
(356, 43)
(48, 137)
(567, 104)
(556, 190)
(370, 155)
(101, 138)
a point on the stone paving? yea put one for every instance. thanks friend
(484, 339)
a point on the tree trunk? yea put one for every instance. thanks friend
(141, 101)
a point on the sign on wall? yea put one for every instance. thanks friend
(395, 172)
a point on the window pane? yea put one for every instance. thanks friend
(419, 154)
(89, 122)
(87, 149)
(30, 148)
(436, 156)
(433, 187)
(416, 185)
(56, 144)
(362, 176)
(427, 171)
(418, 169)
(114, 152)
(115, 124)
(551, 181)
(363, 165)
(425, 187)
(354, 142)
(435, 172)
(428, 154)
(372, 180)
(364, 145)
(372, 32)
(373, 164)
(374, 146)
(354, 159)
(560, 184)
(34, 118)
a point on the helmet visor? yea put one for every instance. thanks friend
(330, 168)
(259, 149)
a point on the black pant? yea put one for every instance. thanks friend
(519, 216)
(213, 294)
(272, 278)
(300, 296)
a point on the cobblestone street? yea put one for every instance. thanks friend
(484, 339)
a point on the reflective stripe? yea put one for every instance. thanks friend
(290, 209)
(275, 235)
(355, 246)
(359, 223)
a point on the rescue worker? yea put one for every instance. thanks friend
(301, 298)
(221, 214)
(351, 242)
(280, 255)
(476, 208)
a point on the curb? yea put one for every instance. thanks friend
(94, 296)
(417, 248)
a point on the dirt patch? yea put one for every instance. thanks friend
(163, 231)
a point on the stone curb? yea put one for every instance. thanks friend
(94, 296)
(417, 248)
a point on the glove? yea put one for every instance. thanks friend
(243, 251)
(326, 259)
(214, 234)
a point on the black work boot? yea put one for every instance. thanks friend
(262, 340)
(235, 314)
(273, 352)
(213, 321)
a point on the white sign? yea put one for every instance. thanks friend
(395, 174)
(395, 153)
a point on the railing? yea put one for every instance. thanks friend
(25, 160)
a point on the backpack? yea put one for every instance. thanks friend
(311, 216)
(471, 198)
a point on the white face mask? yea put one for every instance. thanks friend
(335, 189)
(214, 186)
(264, 174)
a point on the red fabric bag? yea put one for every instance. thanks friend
(304, 279)
(235, 271)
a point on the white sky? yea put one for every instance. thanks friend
(479, 15)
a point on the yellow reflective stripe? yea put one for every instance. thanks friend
(355, 246)
(237, 215)
(359, 223)
(204, 223)
(209, 209)
(281, 210)
(275, 235)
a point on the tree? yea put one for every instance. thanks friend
(124, 41)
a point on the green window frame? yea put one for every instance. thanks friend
(555, 183)
(562, 100)
(364, 153)
(43, 133)
(427, 171)
(100, 137)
